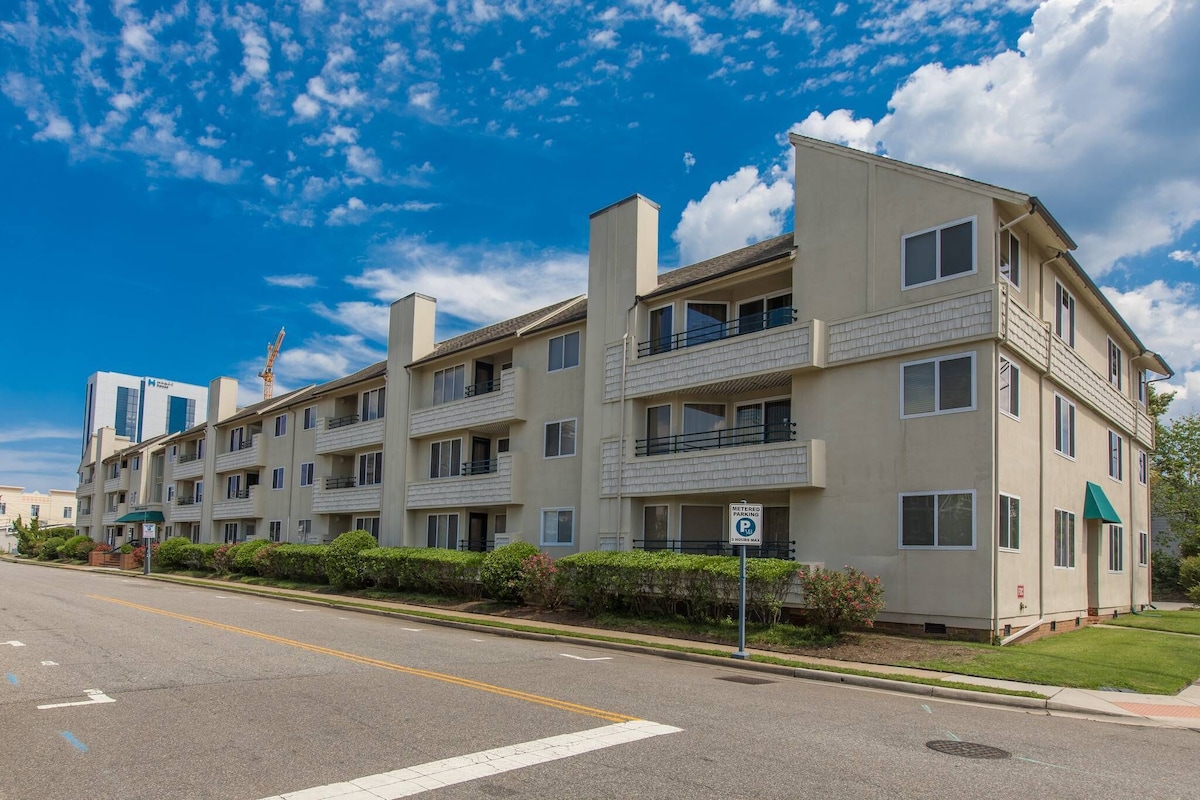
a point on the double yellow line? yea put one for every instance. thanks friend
(561, 705)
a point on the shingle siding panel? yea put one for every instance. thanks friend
(927, 325)
(752, 467)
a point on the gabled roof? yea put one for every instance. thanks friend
(533, 320)
(752, 256)
(376, 370)
(264, 406)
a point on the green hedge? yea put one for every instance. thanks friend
(341, 560)
(420, 569)
(200, 557)
(304, 563)
(501, 572)
(170, 554)
(243, 561)
(49, 549)
(70, 548)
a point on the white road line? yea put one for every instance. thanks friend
(94, 696)
(14, 643)
(477, 640)
(448, 772)
(411, 630)
(49, 663)
(581, 658)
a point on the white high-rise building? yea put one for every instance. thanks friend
(140, 408)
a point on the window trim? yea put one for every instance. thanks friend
(1118, 373)
(542, 526)
(1009, 548)
(307, 417)
(312, 473)
(765, 298)
(937, 383)
(281, 422)
(687, 305)
(578, 351)
(574, 441)
(278, 478)
(1116, 555)
(1061, 291)
(1014, 387)
(1143, 470)
(272, 536)
(435, 516)
(455, 464)
(1120, 456)
(905, 286)
(360, 472)
(935, 546)
(1073, 425)
(380, 393)
(442, 372)
(1072, 544)
(1010, 233)
(664, 345)
(1143, 549)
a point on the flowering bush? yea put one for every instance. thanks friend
(223, 558)
(501, 571)
(837, 601)
(541, 582)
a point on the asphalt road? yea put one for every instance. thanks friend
(217, 695)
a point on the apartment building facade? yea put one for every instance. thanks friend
(140, 408)
(919, 381)
(52, 509)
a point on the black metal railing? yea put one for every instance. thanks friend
(481, 467)
(341, 422)
(347, 482)
(185, 501)
(717, 548)
(188, 457)
(244, 444)
(238, 494)
(703, 334)
(476, 546)
(713, 440)
(483, 387)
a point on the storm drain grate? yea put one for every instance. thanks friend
(967, 749)
(749, 680)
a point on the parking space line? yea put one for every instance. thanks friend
(410, 781)
(562, 705)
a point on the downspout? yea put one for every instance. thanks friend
(995, 419)
(291, 484)
(621, 450)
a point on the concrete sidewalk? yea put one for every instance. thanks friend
(1181, 710)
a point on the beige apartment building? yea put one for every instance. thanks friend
(52, 510)
(919, 381)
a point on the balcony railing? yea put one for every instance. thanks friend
(783, 550)
(718, 330)
(348, 482)
(484, 387)
(483, 467)
(712, 440)
(240, 494)
(341, 422)
(185, 458)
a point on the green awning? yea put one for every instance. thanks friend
(1096, 505)
(146, 516)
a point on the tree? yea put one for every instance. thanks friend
(1175, 477)
(29, 536)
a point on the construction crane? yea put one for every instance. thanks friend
(268, 373)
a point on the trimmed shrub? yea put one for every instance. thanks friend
(341, 560)
(449, 573)
(837, 601)
(304, 563)
(84, 548)
(170, 554)
(1189, 573)
(262, 559)
(243, 561)
(501, 571)
(200, 557)
(223, 557)
(70, 548)
(126, 548)
(49, 549)
(541, 582)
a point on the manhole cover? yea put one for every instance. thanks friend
(967, 749)
(749, 680)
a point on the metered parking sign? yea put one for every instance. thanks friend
(745, 524)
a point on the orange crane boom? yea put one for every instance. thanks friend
(268, 373)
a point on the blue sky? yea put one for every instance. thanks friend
(179, 181)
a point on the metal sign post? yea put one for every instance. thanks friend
(149, 531)
(745, 529)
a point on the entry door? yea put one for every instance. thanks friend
(1093, 528)
(477, 532)
(483, 377)
(481, 455)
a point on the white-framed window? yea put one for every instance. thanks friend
(170, 494)
(1142, 467)
(137, 463)
(233, 487)
(310, 418)
(1009, 383)
(558, 526)
(1116, 548)
(200, 448)
(939, 253)
(1116, 456)
(705, 321)
(198, 495)
(370, 469)
(449, 384)
(1010, 522)
(1142, 387)
(1010, 257)
(760, 313)
(304, 530)
(275, 530)
(560, 439)
(662, 329)
(441, 530)
(231, 532)
(280, 425)
(277, 478)
(1064, 314)
(445, 459)
(658, 430)
(167, 532)
(1064, 539)
(237, 437)
(373, 403)
(938, 385)
(655, 527)
(1143, 549)
(171, 453)
(563, 352)
(763, 421)
(67, 512)
(1064, 426)
(943, 520)
(1116, 368)
(306, 473)
(368, 524)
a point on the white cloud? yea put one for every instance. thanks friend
(522, 99)
(689, 161)
(744, 208)
(295, 281)
(1167, 318)
(423, 96)
(306, 107)
(35, 433)
(363, 161)
(355, 212)
(676, 21)
(370, 320)
(322, 358)
(1186, 256)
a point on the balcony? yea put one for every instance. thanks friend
(110, 517)
(246, 504)
(250, 455)
(185, 509)
(84, 518)
(338, 495)
(718, 465)
(188, 467)
(482, 483)
(347, 434)
(114, 484)
(760, 354)
(497, 401)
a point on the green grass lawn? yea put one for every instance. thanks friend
(1173, 621)
(1092, 658)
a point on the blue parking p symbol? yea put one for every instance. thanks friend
(745, 527)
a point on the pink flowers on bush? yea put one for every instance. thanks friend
(541, 582)
(838, 601)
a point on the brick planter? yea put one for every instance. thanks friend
(115, 559)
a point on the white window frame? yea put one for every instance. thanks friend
(304, 529)
(765, 298)
(275, 530)
(687, 305)
(198, 492)
(578, 352)
(1143, 472)
(444, 398)
(454, 464)
(1071, 543)
(137, 463)
(1143, 549)
(1143, 393)
(937, 266)
(937, 385)
(1001, 517)
(1116, 548)
(1014, 388)
(373, 399)
(935, 546)
(370, 524)
(1116, 364)
(310, 418)
(654, 347)
(437, 530)
(1011, 238)
(1064, 329)
(174, 451)
(307, 473)
(170, 493)
(542, 526)
(574, 439)
(1116, 456)
(238, 435)
(377, 468)
(278, 478)
(281, 425)
(1067, 430)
